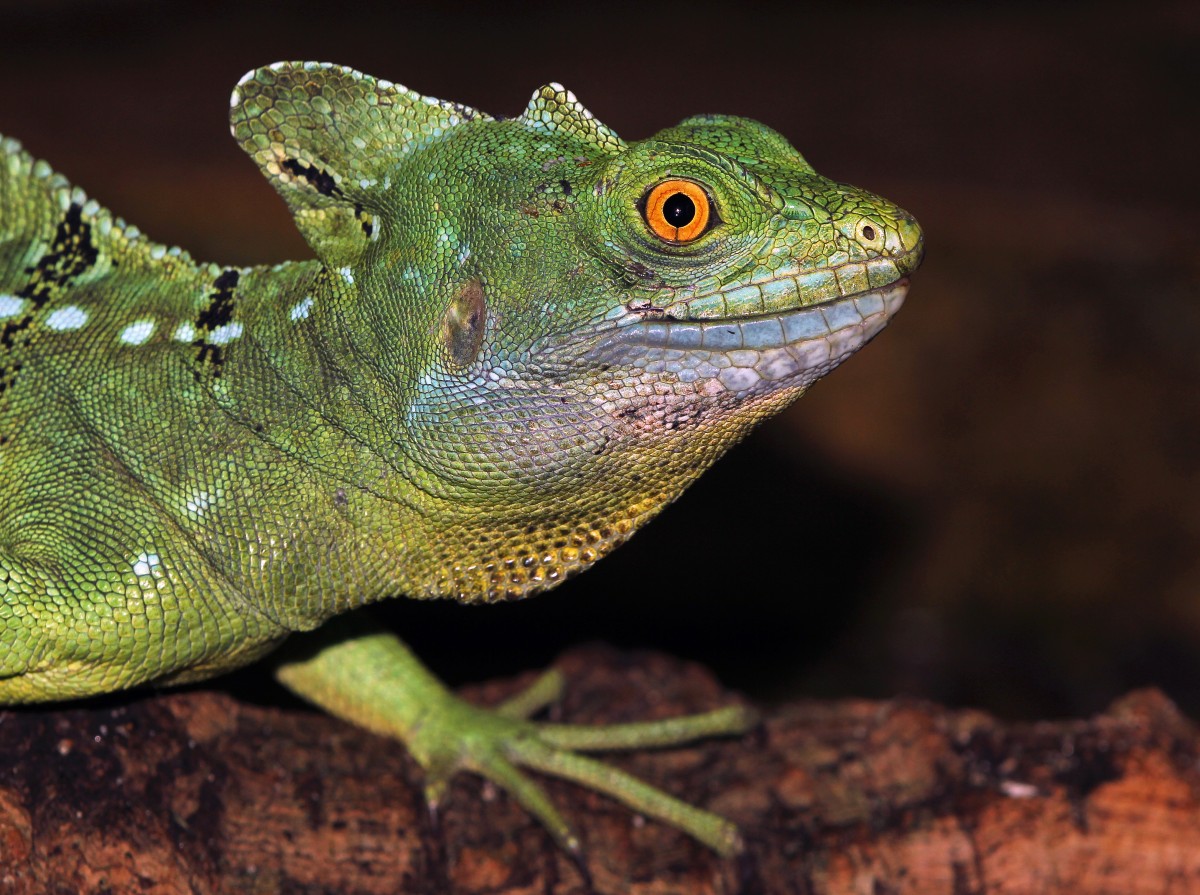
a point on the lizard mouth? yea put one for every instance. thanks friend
(756, 353)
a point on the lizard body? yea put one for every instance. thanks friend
(518, 341)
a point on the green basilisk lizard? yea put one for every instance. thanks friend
(519, 340)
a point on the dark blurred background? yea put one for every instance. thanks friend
(996, 504)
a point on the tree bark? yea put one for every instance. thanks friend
(194, 792)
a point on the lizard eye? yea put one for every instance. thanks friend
(677, 211)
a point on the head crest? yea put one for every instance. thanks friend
(555, 109)
(328, 137)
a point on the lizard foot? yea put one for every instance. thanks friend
(368, 676)
(498, 743)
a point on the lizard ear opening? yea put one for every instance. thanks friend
(328, 139)
(555, 109)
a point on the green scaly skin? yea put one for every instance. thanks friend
(493, 372)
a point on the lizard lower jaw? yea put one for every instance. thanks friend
(758, 353)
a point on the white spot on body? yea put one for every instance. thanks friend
(68, 318)
(185, 332)
(10, 306)
(146, 563)
(198, 503)
(347, 275)
(301, 309)
(137, 333)
(226, 333)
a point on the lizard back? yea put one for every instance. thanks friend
(86, 447)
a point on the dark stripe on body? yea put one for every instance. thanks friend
(217, 313)
(71, 254)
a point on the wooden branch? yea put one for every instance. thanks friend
(194, 792)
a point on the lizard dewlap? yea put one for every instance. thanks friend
(518, 340)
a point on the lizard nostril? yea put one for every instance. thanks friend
(868, 232)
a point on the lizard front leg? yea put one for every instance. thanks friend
(366, 675)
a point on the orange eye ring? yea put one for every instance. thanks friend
(677, 210)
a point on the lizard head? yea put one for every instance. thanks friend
(572, 326)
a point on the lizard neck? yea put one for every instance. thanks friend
(308, 379)
(304, 380)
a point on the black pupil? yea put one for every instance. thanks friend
(679, 210)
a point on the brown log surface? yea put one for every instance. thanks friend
(197, 793)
